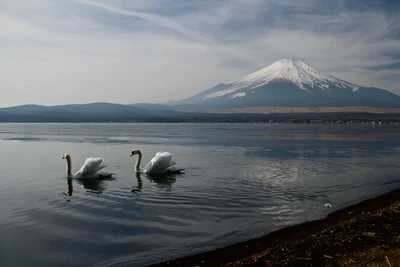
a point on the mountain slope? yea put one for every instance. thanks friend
(290, 82)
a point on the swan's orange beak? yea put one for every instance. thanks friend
(132, 154)
(63, 157)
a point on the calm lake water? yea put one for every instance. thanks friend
(241, 181)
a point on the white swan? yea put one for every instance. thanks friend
(90, 168)
(161, 163)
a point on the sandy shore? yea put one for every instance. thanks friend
(364, 234)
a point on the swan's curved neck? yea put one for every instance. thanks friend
(139, 160)
(69, 166)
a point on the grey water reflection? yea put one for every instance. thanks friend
(160, 181)
(95, 185)
(138, 187)
(99, 185)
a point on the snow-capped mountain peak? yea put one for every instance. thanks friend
(289, 83)
(290, 70)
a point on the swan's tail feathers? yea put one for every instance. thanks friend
(175, 171)
(106, 175)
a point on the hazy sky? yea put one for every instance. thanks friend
(123, 51)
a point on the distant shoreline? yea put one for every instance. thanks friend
(367, 120)
(378, 212)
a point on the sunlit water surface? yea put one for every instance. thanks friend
(241, 181)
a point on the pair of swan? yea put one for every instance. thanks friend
(161, 163)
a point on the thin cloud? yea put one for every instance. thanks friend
(154, 18)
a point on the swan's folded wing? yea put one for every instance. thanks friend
(91, 166)
(160, 162)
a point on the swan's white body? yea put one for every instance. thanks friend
(161, 163)
(90, 168)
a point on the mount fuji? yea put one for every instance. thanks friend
(290, 83)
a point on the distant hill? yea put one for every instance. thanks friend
(108, 112)
(23, 109)
(288, 83)
(93, 112)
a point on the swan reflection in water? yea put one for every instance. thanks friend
(162, 181)
(96, 186)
